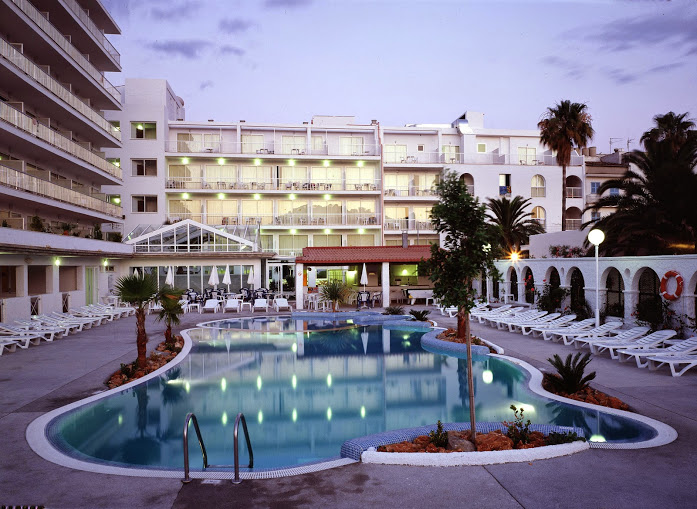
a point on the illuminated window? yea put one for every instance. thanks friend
(143, 130)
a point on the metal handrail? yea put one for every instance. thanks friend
(240, 417)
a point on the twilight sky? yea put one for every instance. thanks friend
(417, 61)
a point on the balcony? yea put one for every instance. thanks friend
(397, 225)
(574, 192)
(51, 31)
(410, 191)
(282, 220)
(422, 158)
(574, 224)
(93, 29)
(222, 183)
(21, 181)
(42, 78)
(30, 125)
(268, 149)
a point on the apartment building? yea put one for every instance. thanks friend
(599, 169)
(53, 94)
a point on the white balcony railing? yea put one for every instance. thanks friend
(23, 182)
(50, 30)
(574, 224)
(40, 76)
(574, 192)
(476, 158)
(226, 183)
(92, 27)
(398, 191)
(33, 127)
(289, 220)
(407, 224)
(266, 148)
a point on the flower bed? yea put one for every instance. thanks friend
(161, 356)
(587, 395)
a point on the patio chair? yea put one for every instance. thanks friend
(603, 330)
(231, 305)
(88, 322)
(536, 330)
(260, 304)
(502, 323)
(650, 341)
(625, 335)
(154, 306)
(508, 313)
(484, 310)
(686, 346)
(574, 327)
(22, 341)
(70, 326)
(211, 305)
(30, 329)
(674, 361)
(546, 318)
(281, 303)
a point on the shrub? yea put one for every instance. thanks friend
(439, 437)
(393, 310)
(518, 428)
(334, 291)
(420, 316)
(571, 372)
(555, 438)
(551, 298)
(36, 224)
(566, 251)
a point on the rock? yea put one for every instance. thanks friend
(494, 441)
(422, 440)
(537, 439)
(458, 441)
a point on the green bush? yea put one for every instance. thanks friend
(439, 437)
(555, 438)
(571, 372)
(551, 298)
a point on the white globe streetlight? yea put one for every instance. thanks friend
(596, 237)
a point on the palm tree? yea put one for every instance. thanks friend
(334, 291)
(654, 212)
(563, 127)
(169, 297)
(512, 224)
(138, 291)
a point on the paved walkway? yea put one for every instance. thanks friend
(42, 378)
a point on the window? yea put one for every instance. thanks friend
(594, 187)
(540, 215)
(144, 167)
(365, 239)
(252, 143)
(451, 153)
(395, 153)
(185, 209)
(396, 184)
(481, 148)
(614, 191)
(294, 144)
(144, 203)
(351, 146)
(527, 155)
(326, 240)
(420, 148)
(537, 187)
(143, 130)
(291, 245)
(114, 198)
(318, 145)
(360, 178)
(221, 212)
(504, 184)
(361, 212)
(595, 215)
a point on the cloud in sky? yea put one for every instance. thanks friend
(187, 48)
(234, 25)
(284, 4)
(176, 11)
(205, 84)
(621, 76)
(570, 69)
(228, 49)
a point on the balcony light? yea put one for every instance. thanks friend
(361, 231)
(291, 197)
(257, 162)
(221, 196)
(185, 160)
(257, 196)
(221, 160)
(327, 231)
(293, 231)
(291, 162)
(57, 262)
(139, 127)
(117, 164)
(117, 200)
(325, 163)
(186, 196)
(105, 262)
(359, 164)
(327, 196)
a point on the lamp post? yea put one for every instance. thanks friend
(596, 237)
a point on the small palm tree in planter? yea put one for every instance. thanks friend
(138, 291)
(334, 291)
(571, 372)
(169, 298)
(420, 315)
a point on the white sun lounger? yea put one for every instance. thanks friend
(546, 318)
(28, 327)
(495, 316)
(674, 361)
(650, 341)
(260, 304)
(502, 322)
(680, 348)
(595, 332)
(281, 303)
(232, 305)
(11, 342)
(574, 327)
(211, 305)
(536, 330)
(625, 335)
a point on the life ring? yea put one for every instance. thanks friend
(664, 285)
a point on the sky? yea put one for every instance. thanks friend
(417, 61)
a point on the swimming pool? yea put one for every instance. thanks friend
(305, 385)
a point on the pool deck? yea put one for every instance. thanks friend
(49, 376)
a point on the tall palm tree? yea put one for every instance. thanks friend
(512, 224)
(138, 291)
(563, 127)
(654, 211)
(169, 297)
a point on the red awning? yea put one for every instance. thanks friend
(363, 254)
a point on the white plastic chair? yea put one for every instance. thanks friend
(211, 305)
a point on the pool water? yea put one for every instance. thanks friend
(305, 387)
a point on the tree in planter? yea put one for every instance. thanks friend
(334, 291)
(138, 291)
(169, 298)
(466, 253)
(36, 224)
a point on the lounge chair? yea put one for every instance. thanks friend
(260, 304)
(211, 305)
(87, 321)
(686, 346)
(674, 361)
(86, 311)
(281, 303)
(8, 343)
(496, 315)
(483, 310)
(596, 332)
(546, 318)
(547, 334)
(232, 305)
(28, 328)
(536, 330)
(625, 335)
(154, 306)
(504, 323)
(12, 341)
(650, 341)
(68, 325)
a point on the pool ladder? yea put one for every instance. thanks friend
(240, 417)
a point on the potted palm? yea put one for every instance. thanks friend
(138, 291)
(335, 292)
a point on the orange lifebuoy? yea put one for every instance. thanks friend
(664, 285)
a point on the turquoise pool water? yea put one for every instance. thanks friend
(305, 387)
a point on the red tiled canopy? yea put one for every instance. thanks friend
(363, 254)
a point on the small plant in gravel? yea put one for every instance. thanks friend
(439, 437)
(420, 315)
(555, 438)
(571, 372)
(393, 310)
(518, 428)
